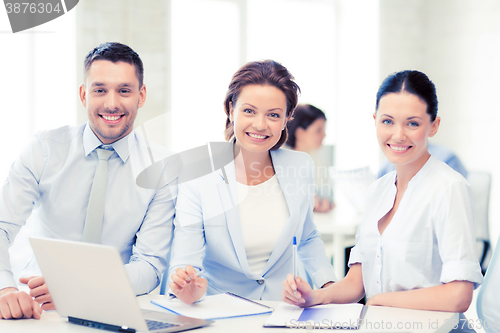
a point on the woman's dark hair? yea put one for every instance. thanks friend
(303, 116)
(264, 72)
(413, 82)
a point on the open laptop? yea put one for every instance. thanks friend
(89, 285)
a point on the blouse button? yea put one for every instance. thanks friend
(260, 281)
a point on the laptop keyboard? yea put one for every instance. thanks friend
(158, 325)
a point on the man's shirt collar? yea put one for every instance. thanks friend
(91, 142)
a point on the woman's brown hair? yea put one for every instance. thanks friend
(264, 72)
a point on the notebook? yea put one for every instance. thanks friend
(213, 307)
(328, 316)
(89, 285)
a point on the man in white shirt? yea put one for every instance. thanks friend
(54, 175)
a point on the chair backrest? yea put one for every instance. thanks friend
(163, 283)
(480, 183)
(487, 306)
(353, 183)
(323, 160)
(325, 155)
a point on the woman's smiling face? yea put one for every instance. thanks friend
(259, 116)
(403, 126)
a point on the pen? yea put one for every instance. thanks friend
(198, 273)
(172, 296)
(248, 300)
(294, 249)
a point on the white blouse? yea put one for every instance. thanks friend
(263, 214)
(429, 241)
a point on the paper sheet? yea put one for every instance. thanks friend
(214, 307)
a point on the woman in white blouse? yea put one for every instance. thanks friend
(415, 247)
(235, 226)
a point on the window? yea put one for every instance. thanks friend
(38, 82)
(331, 47)
(37, 91)
(208, 49)
(205, 53)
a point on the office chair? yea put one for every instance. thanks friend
(163, 283)
(480, 183)
(487, 306)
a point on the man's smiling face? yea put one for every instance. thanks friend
(112, 96)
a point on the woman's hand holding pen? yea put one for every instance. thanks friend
(298, 292)
(187, 286)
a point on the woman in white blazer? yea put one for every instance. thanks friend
(234, 227)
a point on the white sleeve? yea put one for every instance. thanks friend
(188, 246)
(18, 195)
(454, 229)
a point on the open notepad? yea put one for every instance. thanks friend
(347, 316)
(213, 307)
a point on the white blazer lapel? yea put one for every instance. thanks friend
(288, 185)
(229, 198)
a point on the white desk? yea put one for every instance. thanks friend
(377, 319)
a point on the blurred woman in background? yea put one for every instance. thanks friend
(306, 132)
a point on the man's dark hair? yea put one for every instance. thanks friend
(115, 52)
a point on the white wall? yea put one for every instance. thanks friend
(146, 29)
(357, 81)
(457, 43)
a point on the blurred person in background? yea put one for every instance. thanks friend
(306, 133)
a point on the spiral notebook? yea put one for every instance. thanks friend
(213, 307)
